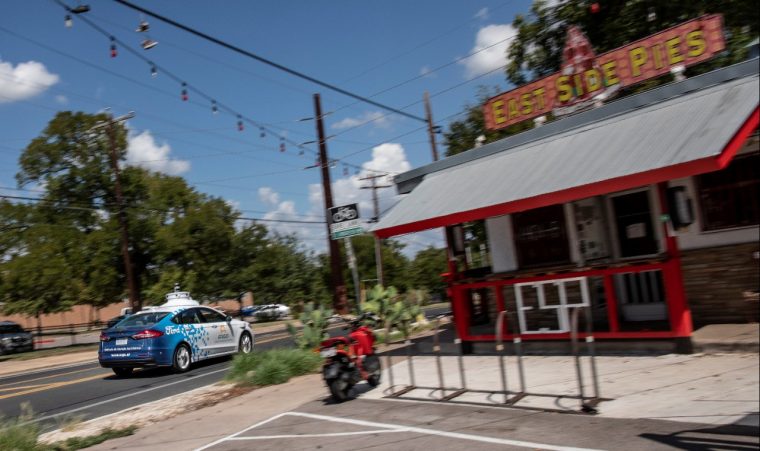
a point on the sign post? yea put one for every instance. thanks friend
(344, 221)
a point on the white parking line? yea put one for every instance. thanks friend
(47, 417)
(388, 427)
(332, 434)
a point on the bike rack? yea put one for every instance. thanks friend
(587, 404)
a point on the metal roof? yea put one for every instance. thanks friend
(667, 127)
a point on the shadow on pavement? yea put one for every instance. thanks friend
(710, 438)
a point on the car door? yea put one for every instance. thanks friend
(221, 335)
(194, 332)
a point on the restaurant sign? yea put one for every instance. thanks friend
(586, 78)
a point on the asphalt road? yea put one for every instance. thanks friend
(84, 391)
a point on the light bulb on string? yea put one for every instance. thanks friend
(113, 47)
(300, 151)
(262, 133)
(153, 70)
(345, 170)
(184, 92)
(282, 144)
(240, 123)
(214, 109)
(68, 22)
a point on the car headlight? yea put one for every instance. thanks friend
(6, 339)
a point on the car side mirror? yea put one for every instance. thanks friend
(228, 318)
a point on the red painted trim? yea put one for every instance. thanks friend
(583, 273)
(566, 336)
(739, 138)
(593, 189)
(612, 303)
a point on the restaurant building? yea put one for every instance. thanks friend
(644, 209)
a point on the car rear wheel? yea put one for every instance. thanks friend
(181, 359)
(122, 372)
(246, 344)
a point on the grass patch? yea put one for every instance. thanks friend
(18, 434)
(75, 443)
(273, 367)
(50, 352)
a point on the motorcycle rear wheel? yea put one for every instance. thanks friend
(339, 389)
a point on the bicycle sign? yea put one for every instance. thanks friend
(344, 221)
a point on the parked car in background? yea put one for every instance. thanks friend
(13, 338)
(271, 312)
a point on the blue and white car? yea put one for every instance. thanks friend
(176, 334)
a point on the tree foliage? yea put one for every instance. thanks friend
(65, 249)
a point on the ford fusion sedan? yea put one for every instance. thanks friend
(175, 335)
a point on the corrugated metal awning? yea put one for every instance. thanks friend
(696, 132)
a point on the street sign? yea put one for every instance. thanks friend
(344, 221)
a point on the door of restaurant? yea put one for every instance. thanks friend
(640, 294)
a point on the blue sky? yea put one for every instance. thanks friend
(363, 47)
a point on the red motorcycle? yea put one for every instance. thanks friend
(351, 359)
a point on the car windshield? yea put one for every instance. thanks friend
(10, 329)
(142, 319)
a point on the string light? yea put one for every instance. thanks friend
(113, 47)
(214, 109)
(262, 133)
(345, 170)
(282, 144)
(68, 22)
(153, 70)
(184, 92)
(240, 123)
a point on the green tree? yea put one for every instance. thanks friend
(426, 269)
(395, 263)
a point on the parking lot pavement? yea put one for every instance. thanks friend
(410, 425)
(713, 389)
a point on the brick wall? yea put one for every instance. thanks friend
(715, 279)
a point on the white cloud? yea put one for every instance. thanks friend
(482, 14)
(377, 118)
(425, 71)
(61, 99)
(143, 151)
(268, 195)
(388, 157)
(24, 81)
(491, 44)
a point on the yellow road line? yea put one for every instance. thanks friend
(43, 377)
(55, 385)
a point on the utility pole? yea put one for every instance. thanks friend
(450, 258)
(431, 128)
(135, 301)
(337, 285)
(378, 242)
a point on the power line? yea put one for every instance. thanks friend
(52, 204)
(265, 60)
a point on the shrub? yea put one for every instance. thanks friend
(314, 321)
(273, 367)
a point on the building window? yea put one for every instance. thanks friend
(541, 237)
(729, 198)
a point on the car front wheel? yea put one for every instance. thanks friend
(181, 360)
